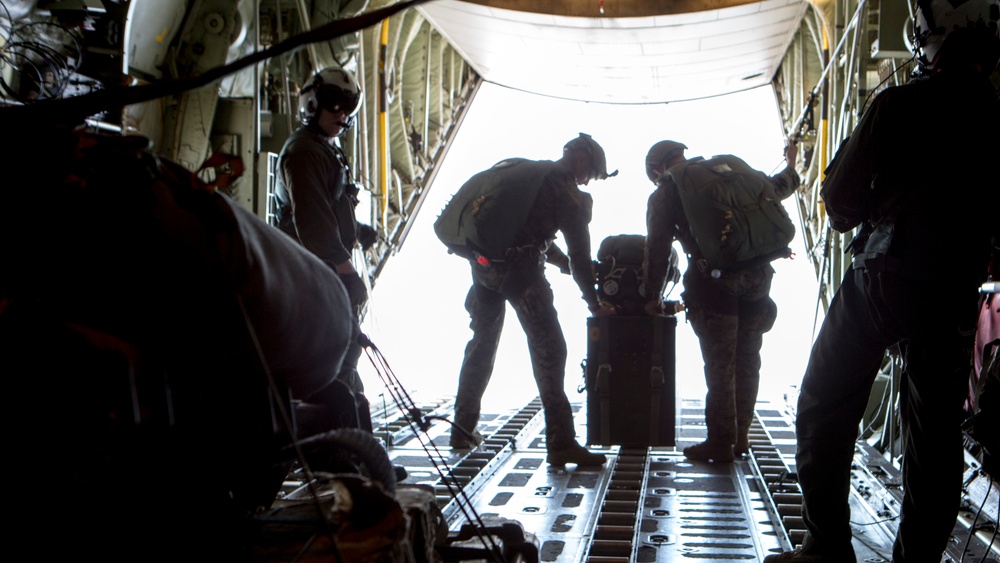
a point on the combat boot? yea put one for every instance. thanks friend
(459, 440)
(575, 454)
(719, 453)
(742, 446)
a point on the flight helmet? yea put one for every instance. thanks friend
(971, 29)
(598, 161)
(661, 153)
(333, 89)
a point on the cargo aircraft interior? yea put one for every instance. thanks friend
(138, 332)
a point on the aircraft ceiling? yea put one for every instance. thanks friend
(636, 52)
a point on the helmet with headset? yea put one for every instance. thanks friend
(969, 28)
(333, 89)
(660, 154)
(598, 161)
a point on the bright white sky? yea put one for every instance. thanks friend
(417, 316)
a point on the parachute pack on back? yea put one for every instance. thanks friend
(733, 211)
(491, 208)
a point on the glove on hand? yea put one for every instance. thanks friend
(367, 236)
(357, 293)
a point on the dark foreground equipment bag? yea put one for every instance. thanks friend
(164, 328)
(735, 216)
(490, 209)
(630, 380)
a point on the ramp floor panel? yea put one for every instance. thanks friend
(652, 504)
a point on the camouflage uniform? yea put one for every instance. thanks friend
(729, 314)
(520, 280)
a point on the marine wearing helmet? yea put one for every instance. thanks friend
(660, 157)
(597, 164)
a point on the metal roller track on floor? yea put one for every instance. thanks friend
(643, 505)
(875, 500)
(652, 504)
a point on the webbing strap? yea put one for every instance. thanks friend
(603, 378)
(656, 380)
(603, 388)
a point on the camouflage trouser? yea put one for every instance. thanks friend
(533, 303)
(730, 316)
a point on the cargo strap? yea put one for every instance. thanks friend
(603, 381)
(656, 381)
